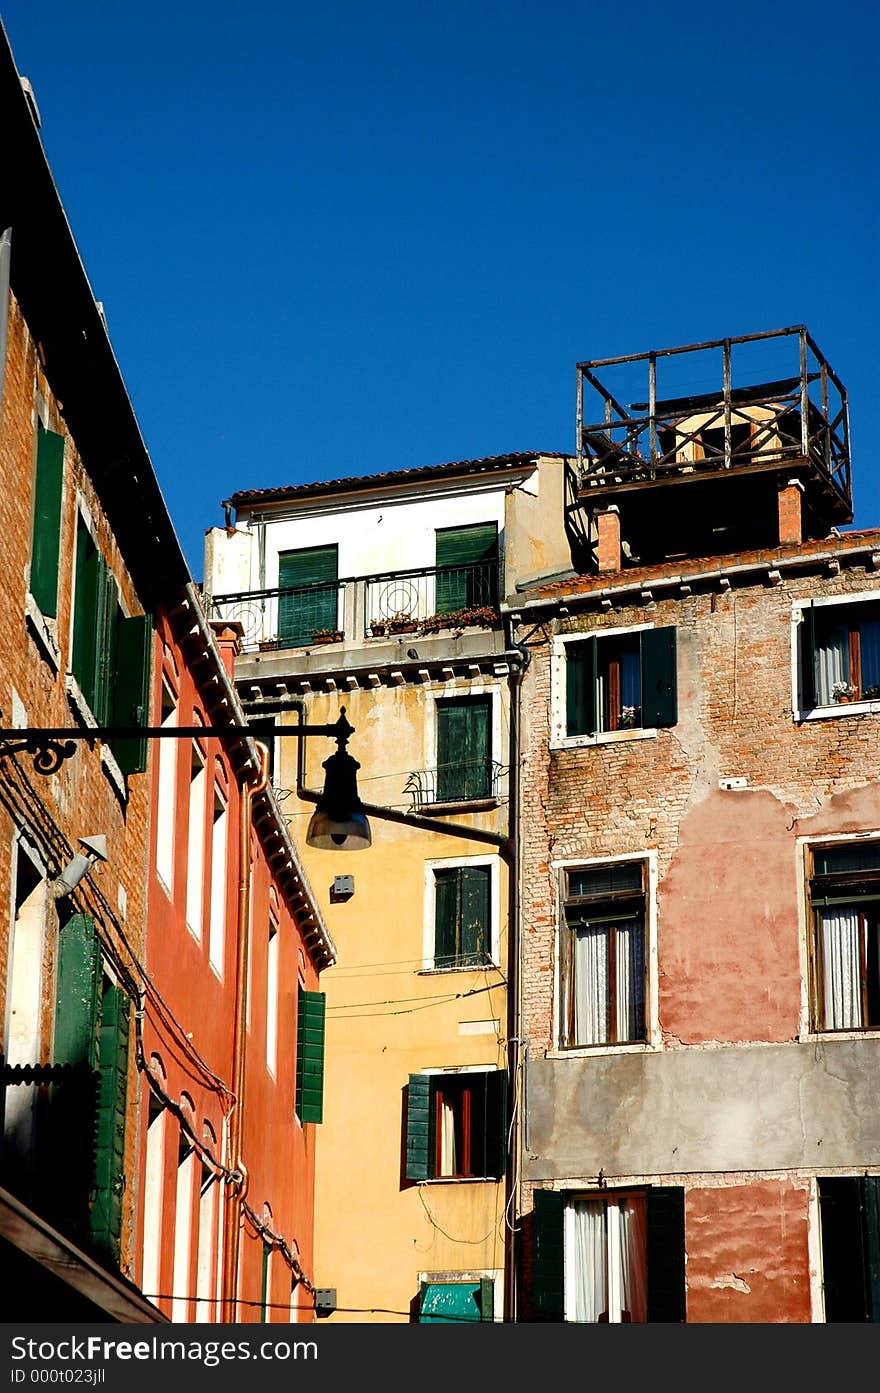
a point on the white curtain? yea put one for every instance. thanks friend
(590, 987)
(841, 970)
(447, 1139)
(633, 1260)
(832, 652)
(607, 1255)
(588, 1258)
(630, 993)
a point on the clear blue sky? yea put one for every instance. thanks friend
(346, 238)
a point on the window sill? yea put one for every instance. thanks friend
(431, 971)
(42, 633)
(839, 708)
(78, 702)
(459, 805)
(813, 1037)
(606, 737)
(461, 1180)
(589, 1051)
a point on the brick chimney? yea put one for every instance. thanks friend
(228, 635)
(790, 521)
(608, 538)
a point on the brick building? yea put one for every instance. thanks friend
(700, 982)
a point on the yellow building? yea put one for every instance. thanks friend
(382, 595)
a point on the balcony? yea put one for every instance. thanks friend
(430, 600)
(474, 782)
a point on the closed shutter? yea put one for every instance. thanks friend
(46, 543)
(659, 678)
(76, 1001)
(110, 1130)
(88, 610)
(463, 745)
(809, 658)
(474, 927)
(73, 1099)
(108, 642)
(580, 687)
(131, 690)
(871, 1185)
(666, 1253)
(419, 1162)
(310, 1057)
(548, 1271)
(467, 567)
(496, 1123)
(446, 888)
(312, 573)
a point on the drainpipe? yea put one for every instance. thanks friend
(514, 1014)
(238, 1185)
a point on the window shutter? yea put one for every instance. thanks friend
(310, 1057)
(463, 745)
(301, 614)
(131, 690)
(445, 914)
(496, 1123)
(487, 1299)
(76, 1002)
(474, 936)
(418, 1128)
(872, 1245)
(808, 657)
(659, 678)
(548, 1290)
(461, 581)
(580, 687)
(666, 1252)
(109, 616)
(87, 612)
(46, 541)
(110, 1131)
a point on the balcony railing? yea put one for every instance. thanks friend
(426, 600)
(465, 781)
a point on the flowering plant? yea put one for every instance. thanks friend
(629, 716)
(840, 690)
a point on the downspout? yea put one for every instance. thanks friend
(238, 1185)
(514, 1013)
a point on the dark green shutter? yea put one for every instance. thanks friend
(659, 678)
(131, 690)
(467, 567)
(310, 1057)
(453, 1303)
(264, 1284)
(666, 1253)
(487, 1299)
(76, 1001)
(872, 1245)
(809, 658)
(474, 926)
(419, 1163)
(496, 1123)
(445, 916)
(312, 572)
(463, 745)
(110, 1131)
(548, 1288)
(87, 611)
(46, 542)
(580, 687)
(109, 617)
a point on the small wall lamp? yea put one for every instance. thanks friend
(79, 867)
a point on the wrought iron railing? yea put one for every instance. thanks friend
(430, 599)
(465, 781)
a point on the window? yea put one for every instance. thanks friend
(845, 905)
(840, 653)
(311, 575)
(614, 1257)
(195, 868)
(110, 654)
(603, 955)
(620, 681)
(219, 873)
(46, 538)
(310, 1056)
(456, 1127)
(467, 567)
(272, 997)
(849, 1215)
(464, 743)
(187, 1160)
(167, 791)
(454, 1302)
(462, 923)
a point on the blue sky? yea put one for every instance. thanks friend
(336, 240)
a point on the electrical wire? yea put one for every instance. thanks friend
(440, 1001)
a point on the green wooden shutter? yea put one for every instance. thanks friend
(809, 657)
(106, 1224)
(76, 1000)
(666, 1253)
(446, 888)
(299, 615)
(487, 1299)
(496, 1123)
(474, 924)
(463, 749)
(548, 1272)
(87, 611)
(310, 1057)
(462, 582)
(872, 1245)
(46, 541)
(109, 616)
(580, 687)
(659, 677)
(451, 1303)
(419, 1162)
(131, 690)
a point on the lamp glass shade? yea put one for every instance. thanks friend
(328, 833)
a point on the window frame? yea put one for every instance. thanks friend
(437, 1083)
(559, 736)
(815, 978)
(493, 937)
(801, 710)
(442, 697)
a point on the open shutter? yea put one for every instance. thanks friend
(445, 914)
(106, 1222)
(310, 1057)
(131, 690)
(88, 610)
(548, 1284)
(666, 1253)
(474, 914)
(659, 677)
(76, 1002)
(872, 1245)
(467, 567)
(496, 1123)
(46, 540)
(580, 687)
(808, 657)
(487, 1299)
(418, 1128)
(311, 608)
(73, 1098)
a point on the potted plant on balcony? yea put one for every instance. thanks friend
(842, 691)
(326, 636)
(629, 717)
